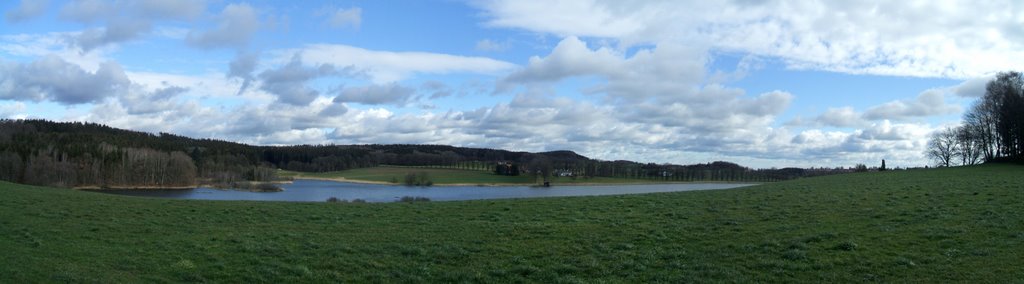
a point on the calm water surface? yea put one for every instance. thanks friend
(318, 190)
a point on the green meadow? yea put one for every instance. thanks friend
(939, 225)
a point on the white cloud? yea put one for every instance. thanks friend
(352, 17)
(118, 31)
(125, 21)
(294, 137)
(237, 24)
(392, 93)
(563, 18)
(840, 117)
(52, 79)
(26, 10)
(12, 110)
(928, 103)
(662, 99)
(899, 144)
(390, 66)
(289, 82)
(972, 88)
(886, 131)
(34, 46)
(669, 73)
(491, 45)
(333, 110)
(660, 86)
(933, 39)
(87, 10)
(571, 57)
(212, 85)
(141, 101)
(175, 33)
(436, 89)
(184, 118)
(242, 67)
(173, 9)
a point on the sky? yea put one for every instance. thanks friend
(760, 83)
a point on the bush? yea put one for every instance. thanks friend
(410, 179)
(422, 179)
(268, 187)
(411, 199)
(418, 179)
(248, 186)
(333, 199)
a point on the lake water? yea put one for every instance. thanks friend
(319, 190)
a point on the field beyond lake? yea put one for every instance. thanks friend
(939, 225)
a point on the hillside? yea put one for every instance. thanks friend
(75, 154)
(931, 226)
(449, 176)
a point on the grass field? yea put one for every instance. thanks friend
(442, 176)
(930, 226)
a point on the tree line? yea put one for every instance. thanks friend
(991, 130)
(714, 171)
(81, 154)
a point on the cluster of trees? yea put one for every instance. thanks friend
(506, 169)
(992, 130)
(955, 145)
(542, 168)
(417, 179)
(50, 158)
(109, 167)
(75, 154)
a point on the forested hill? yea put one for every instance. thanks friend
(72, 154)
(89, 154)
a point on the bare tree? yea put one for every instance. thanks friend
(942, 147)
(1004, 100)
(968, 144)
(540, 167)
(981, 118)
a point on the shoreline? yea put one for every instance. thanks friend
(151, 187)
(342, 179)
(103, 188)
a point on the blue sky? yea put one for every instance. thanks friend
(764, 84)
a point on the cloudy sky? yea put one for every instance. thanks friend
(761, 83)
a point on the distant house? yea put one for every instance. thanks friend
(564, 173)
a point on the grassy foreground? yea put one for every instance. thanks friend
(943, 225)
(443, 176)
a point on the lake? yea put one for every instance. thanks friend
(319, 190)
